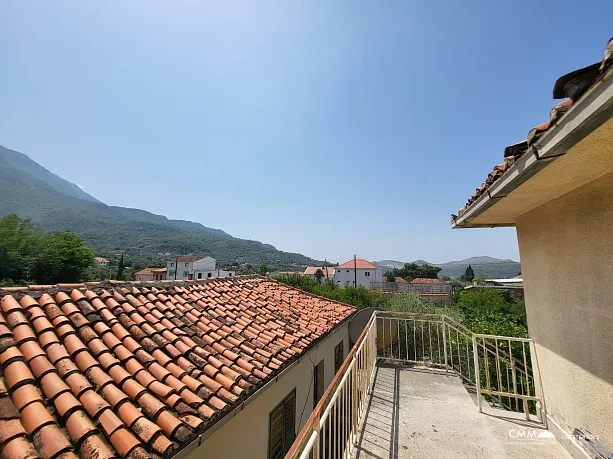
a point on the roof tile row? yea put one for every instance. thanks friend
(139, 372)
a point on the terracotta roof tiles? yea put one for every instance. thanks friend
(359, 263)
(139, 371)
(423, 280)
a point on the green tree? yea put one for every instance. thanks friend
(263, 269)
(120, 268)
(19, 243)
(469, 274)
(319, 274)
(390, 277)
(412, 271)
(63, 257)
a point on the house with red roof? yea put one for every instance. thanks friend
(327, 271)
(151, 274)
(357, 272)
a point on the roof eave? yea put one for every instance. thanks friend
(586, 115)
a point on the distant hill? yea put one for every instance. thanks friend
(24, 164)
(31, 191)
(488, 266)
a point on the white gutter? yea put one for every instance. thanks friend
(589, 113)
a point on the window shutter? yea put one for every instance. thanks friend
(289, 408)
(276, 450)
(282, 429)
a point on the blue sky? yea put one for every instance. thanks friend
(322, 127)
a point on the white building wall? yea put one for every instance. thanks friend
(246, 434)
(346, 276)
(184, 268)
(206, 264)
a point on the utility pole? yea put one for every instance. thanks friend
(326, 266)
(355, 271)
(176, 267)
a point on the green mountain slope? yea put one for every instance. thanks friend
(23, 163)
(145, 237)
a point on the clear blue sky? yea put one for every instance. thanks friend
(323, 127)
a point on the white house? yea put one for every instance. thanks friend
(194, 268)
(101, 262)
(328, 271)
(362, 270)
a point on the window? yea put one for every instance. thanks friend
(229, 274)
(186, 264)
(367, 273)
(208, 275)
(339, 352)
(199, 275)
(171, 274)
(347, 270)
(185, 274)
(318, 382)
(172, 265)
(282, 428)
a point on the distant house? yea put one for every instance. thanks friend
(328, 271)
(516, 281)
(363, 270)
(194, 268)
(151, 274)
(100, 262)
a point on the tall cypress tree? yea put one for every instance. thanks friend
(120, 269)
(469, 274)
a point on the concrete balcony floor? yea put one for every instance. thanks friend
(417, 412)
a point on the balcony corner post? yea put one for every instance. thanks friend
(445, 344)
(477, 373)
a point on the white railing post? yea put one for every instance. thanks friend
(316, 451)
(538, 388)
(477, 373)
(445, 344)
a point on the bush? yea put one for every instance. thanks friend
(359, 297)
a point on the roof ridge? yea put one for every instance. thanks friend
(66, 286)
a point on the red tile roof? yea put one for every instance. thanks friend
(189, 259)
(151, 271)
(397, 280)
(423, 280)
(311, 270)
(99, 371)
(101, 260)
(361, 264)
(571, 86)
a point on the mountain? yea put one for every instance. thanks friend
(24, 164)
(487, 266)
(54, 204)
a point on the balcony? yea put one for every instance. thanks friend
(422, 385)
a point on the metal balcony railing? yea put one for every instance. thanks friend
(500, 368)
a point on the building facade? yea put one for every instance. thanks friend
(151, 274)
(101, 262)
(556, 188)
(195, 268)
(360, 270)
